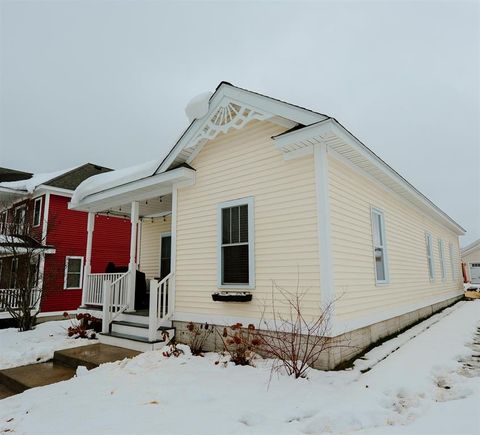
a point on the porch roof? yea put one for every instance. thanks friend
(105, 193)
(21, 244)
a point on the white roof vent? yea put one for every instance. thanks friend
(198, 106)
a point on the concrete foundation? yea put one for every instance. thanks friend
(347, 346)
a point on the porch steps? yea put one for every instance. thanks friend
(137, 342)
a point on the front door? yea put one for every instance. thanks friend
(165, 255)
(475, 273)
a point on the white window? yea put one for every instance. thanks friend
(235, 244)
(452, 261)
(13, 273)
(3, 222)
(429, 246)
(73, 272)
(441, 254)
(37, 211)
(379, 246)
(20, 213)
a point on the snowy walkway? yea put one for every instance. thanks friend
(430, 385)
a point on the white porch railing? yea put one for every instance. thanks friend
(93, 286)
(11, 297)
(160, 304)
(115, 299)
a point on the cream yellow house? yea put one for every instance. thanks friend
(258, 194)
(471, 260)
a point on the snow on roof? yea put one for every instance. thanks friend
(31, 184)
(108, 180)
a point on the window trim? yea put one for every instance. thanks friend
(441, 257)
(40, 200)
(65, 275)
(379, 212)
(249, 201)
(13, 276)
(15, 223)
(430, 257)
(3, 221)
(452, 263)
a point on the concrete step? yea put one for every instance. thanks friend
(135, 342)
(138, 329)
(93, 355)
(19, 379)
(5, 392)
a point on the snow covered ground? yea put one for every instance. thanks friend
(429, 385)
(21, 348)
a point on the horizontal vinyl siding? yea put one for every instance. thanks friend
(67, 232)
(150, 245)
(351, 198)
(473, 257)
(240, 164)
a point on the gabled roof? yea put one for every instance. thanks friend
(68, 179)
(7, 174)
(471, 247)
(231, 107)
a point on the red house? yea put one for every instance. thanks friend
(34, 212)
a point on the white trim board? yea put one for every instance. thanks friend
(337, 327)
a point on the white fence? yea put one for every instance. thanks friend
(11, 298)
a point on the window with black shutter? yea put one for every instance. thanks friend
(235, 245)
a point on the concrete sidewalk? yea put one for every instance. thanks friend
(62, 367)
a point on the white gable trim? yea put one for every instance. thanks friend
(261, 107)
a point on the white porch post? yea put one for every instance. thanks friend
(88, 256)
(132, 266)
(173, 251)
(327, 289)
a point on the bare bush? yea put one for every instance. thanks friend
(294, 340)
(21, 282)
(198, 336)
(241, 343)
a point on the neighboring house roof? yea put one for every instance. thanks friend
(7, 174)
(68, 179)
(470, 248)
(232, 107)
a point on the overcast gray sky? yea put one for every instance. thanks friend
(107, 82)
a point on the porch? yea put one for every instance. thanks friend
(136, 302)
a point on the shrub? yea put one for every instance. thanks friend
(241, 343)
(197, 336)
(87, 326)
(172, 350)
(294, 340)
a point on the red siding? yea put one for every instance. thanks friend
(68, 234)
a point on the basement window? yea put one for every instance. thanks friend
(235, 244)
(379, 246)
(73, 272)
